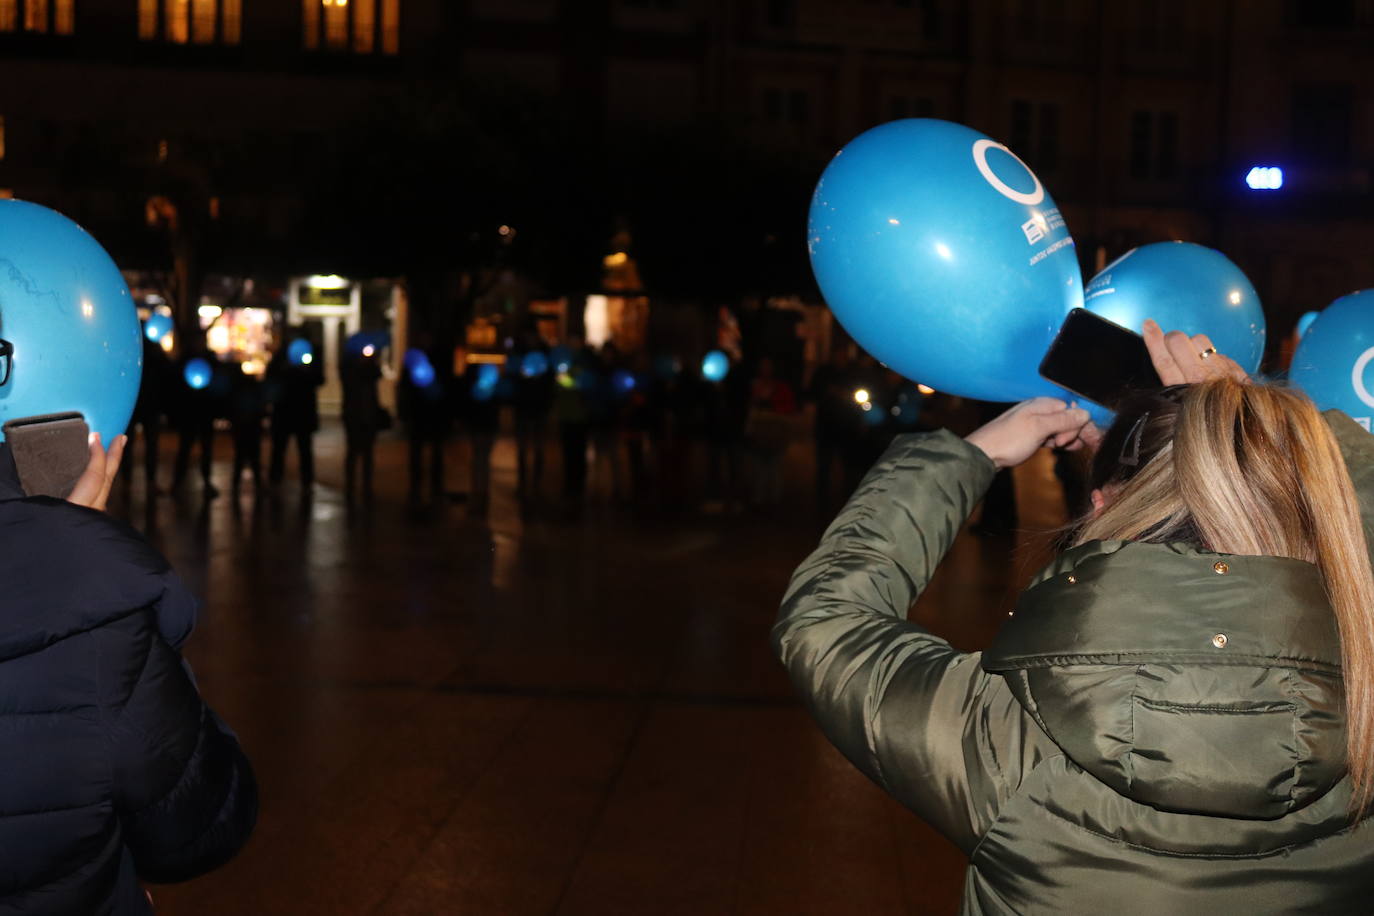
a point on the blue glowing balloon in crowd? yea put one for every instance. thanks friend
(622, 382)
(944, 256)
(1305, 322)
(561, 357)
(715, 366)
(1334, 363)
(419, 369)
(367, 344)
(73, 328)
(484, 381)
(1184, 287)
(534, 364)
(300, 352)
(198, 373)
(157, 326)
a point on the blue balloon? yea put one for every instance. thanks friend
(300, 352)
(367, 344)
(715, 366)
(534, 364)
(1334, 363)
(419, 368)
(944, 256)
(157, 326)
(74, 330)
(198, 373)
(1305, 322)
(1185, 287)
(622, 382)
(561, 357)
(484, 381)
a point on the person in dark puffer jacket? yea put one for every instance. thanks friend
(112, 769)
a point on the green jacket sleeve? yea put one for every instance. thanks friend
(1357, 446)
(918, 717)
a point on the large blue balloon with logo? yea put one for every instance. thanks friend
(1334, 363)
(1185, 287)
(944, 256)
(66, 310)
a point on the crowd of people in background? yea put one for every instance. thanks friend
(650, 431)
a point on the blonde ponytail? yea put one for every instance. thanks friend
(1254, 469)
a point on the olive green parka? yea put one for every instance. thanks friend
(1157, 729)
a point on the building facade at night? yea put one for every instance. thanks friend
(191, 135)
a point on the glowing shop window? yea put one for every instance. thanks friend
(64, 17)
(9, 15)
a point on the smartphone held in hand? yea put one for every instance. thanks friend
(1099, 360)
(50, 452)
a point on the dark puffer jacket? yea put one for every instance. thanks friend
(1158, 729)
(112, 769)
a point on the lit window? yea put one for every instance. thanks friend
(360, 26)
(202, 22)
(45, 16)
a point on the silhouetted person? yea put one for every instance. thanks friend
(571, 414)
(427, 412)
(362, 417)
(195, 411)
(247, 409)
(533, 401)
(772, 404)
(482, 418)
(832, 391)
(295, 414)
(155, 389)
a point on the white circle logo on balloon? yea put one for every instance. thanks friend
(1357, 377)
(980, 159)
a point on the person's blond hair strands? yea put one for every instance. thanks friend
(1254, 469)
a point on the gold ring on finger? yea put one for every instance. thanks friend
(1208, 352)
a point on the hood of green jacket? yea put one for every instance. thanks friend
(1186, 680)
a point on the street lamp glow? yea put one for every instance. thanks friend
(861, 396)
(327, 281)
(1264, 178)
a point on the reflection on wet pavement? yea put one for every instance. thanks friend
(530, 715)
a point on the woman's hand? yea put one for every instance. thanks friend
(1179, 359)
(92, 488)
(1020, 432)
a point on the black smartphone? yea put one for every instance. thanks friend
(1099, 360)
(50, 452)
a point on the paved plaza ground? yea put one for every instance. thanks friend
(528, 714)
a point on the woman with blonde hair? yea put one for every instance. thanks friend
(1178, 717)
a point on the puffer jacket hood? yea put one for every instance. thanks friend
(1185, 680)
